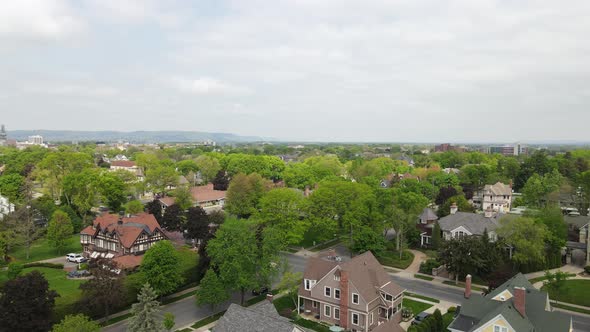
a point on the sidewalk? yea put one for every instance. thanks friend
(566, 268)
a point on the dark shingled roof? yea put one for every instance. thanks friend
(262, 317)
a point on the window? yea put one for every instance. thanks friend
(337, 278)
(327, 291)
(336, 313)
(355, 298)
(355, 318)
(336, 293)
(314, 304)
(498, 328)
(371, 319)
(327, 311)
(307, 284)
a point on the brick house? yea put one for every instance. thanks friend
(116, 236)
(357, 295)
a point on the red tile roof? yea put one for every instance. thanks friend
(128, 261)
(88, 231)
(206, 193)
(130, 228)
(167, 200)
(123, 163)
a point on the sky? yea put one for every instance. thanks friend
(332, 70)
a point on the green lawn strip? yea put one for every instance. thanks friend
(570, 308)
(41, 250)
(259, 298)
(462, 285)
(423, 277)
(326, 245)
(543, 278)
(184, 330)
(447, 319)
(208, 320)
(422, 297)
(391, 258)
(179, 297)
(116, 319)
(415, 306)
(575, 291)
(311, 325)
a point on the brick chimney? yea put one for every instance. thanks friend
(467, 286)
(344, 299)
(520, 300)
(489, 212)
(269, 297)
(454, 208)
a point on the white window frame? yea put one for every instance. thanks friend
(357, 298)
(371, 319)
(308, 284)
(314, 304)
(499, 328)
(336, 313)
(327, 311)
(337, 291)
(358, 318)
(327, 291)
(336, 278)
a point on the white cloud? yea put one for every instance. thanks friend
(207, 86)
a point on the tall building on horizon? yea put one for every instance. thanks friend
(3, 139)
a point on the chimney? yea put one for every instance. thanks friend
(121, 215)
(489, 212)
(454, 208)
(520, 300)
(467, 286)
(344, 299)
(269, 297)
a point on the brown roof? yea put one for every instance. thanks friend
(388, 326)
(130, 228)
(364, 271)
(167, 200)
(206, 193)
(123, 163)
(88, 231)
(128, 261)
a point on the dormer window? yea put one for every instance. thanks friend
(337, 278)
(308, 284)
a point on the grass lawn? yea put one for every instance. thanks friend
(415, 306)
(284, 306)
(542, 278)
(423, 277)
(426, 298)
(208, 320)
(68, 289)
(41, 250)
(447, 319)
(462, 285)
(570, 308)
(573, 291)
(391, 258)
(311, 325)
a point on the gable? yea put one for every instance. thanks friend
(461, 229)
(498, 320)
(504, 296)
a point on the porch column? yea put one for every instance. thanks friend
(298, 305)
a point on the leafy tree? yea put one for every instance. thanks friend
(134, 207)
(26, 304)
(465, 255)
(145, 312)
(80, 190)
(526, 236)
(55, 166)
(325, 166)
(508, 167)
(161, 267)
(212, 291)
(112, 189)
(299, 175)
(197, 223)
(367, 239)
(407, 207)
(187, 166)
(290, 283)
(221, 181)
(537, 188)
(173, 218)
(161, 177)
(168, 321)
(76, 323)
(103, 293)
(11, 186)
(183, 198)
(59, 230)
(438, 321)
(462, 204)
(208, 167)
(155, 208)
(283, 209)
(14, 269)
(555, 281)
(436, 236)
(538, 163)
(22, 228)
(244, 193)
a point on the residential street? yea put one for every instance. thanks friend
(187, 312)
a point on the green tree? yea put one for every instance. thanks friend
(144, 313)
(367, 239)
(462, 204)
(208, 167)
(27, 303)
(290, 283)
(161, 177)
(537, 188)
(187, 166)
(325, 166)
(407, 207)
(436, 236)
(112, 189)
(212, 291)
(526, 236)
(283, 209)
(299, 175)
(161, 267)
(438, 321)
(244, 193)
(168, 321)
(134, 207)
(76, 323)
(55, 166)
(555, 281)
(14, 270)
(59, 230)
(80, 190)
(183, 198)
(11, 186)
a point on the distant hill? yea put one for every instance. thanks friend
(132, 136)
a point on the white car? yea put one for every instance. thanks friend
(75, 258)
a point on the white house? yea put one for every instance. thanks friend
(5, 207)
(497, 196)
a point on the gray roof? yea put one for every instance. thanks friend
(479, 310)
(427, 214)
(579, 221)
(498, 189)
(262, 317)
(475, 223)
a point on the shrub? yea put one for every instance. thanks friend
(587, 269)
(427, 266)
(14, 269)
(452, 309)
(44, 264)
(84, 266)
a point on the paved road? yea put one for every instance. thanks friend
(187, 312)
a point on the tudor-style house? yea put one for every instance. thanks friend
(114, 235)
(357, 295)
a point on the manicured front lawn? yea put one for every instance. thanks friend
(423, 277)
(573, 291)
(426, 298)
(311, 325)
(543, 278)
(41, 250)
(447, 319)
(391, 258)
(415, 306)
(284, 306)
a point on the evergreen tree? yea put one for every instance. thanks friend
(436, 236)
(221, 181)
(438, 321)
(155, 208)
(145, 312)
(172, 220)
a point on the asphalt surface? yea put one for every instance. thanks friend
(186, 311)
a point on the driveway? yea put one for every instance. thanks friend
(60, 260)
(419, 257)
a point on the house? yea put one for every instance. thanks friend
(425, 225)
(515, 306)
(357, 295)
(497, 196)
(407, 159)
(5, 207)
(116, 236)
(261, 317)
(127, 165)
(458, 224)
(204, 196)
(396, 177)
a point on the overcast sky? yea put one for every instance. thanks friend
(334, 70)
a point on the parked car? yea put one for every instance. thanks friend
(75, 258)
(420, 318)
(259, 291)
